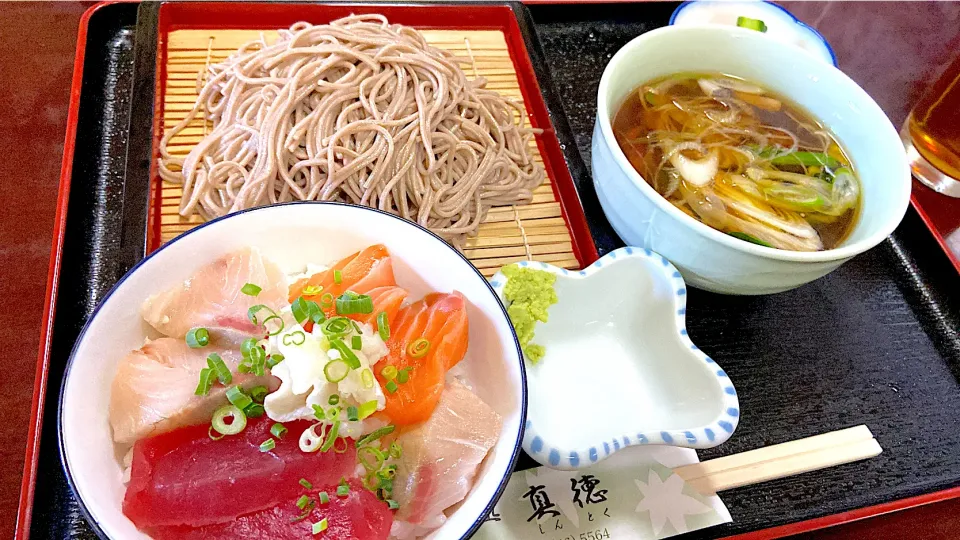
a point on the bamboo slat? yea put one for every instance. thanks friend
(509, 234)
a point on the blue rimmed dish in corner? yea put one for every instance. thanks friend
(780, 23)
(619, 368)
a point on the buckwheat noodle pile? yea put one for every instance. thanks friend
(361, 111)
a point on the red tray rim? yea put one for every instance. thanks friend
(915, 202)
(25, 507)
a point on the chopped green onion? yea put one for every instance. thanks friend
(749, 238)
(300, 310)
(336, 327)
(198, 337)
(319, 413)
(210, 433)
(340, 446)
(258, 393)
(252, 312)
(337, 277)
(650, 98)
(419, 348)
(254, 411)
(206, 382)
(383, 327)
(268, 445)
(324, 498)
(392, 504)
(306, 484)
(396, 452)
(238, 397)
(312, 290)
(333, 399)
(374, 435)
(250, 289)
(295, 338)
(366, 409)
(278, 326)
(326, 300)
(349, 303)
(371, 459)
(371, 481)
(352, 414)
(217, 366)
(274, 359)
(238, 420)
(319, 526)
(333, 413)
(278, 430)
(356, 343)
(346, 354)
(367, 377)
(331, 436)
(807, 159)
(303, 501)
(751, 24)
(246, 348)
(336, 370)
(389, 472)
(343, 490)
(404, 375)
(392, 387)
(389, 373)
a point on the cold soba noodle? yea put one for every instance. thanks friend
(741, 160)
(360, 111)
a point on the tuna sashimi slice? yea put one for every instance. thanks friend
(211, 298)
(359, 516)
(186, 478)
(441, 456)
(153, 389)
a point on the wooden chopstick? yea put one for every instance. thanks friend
(781, 460)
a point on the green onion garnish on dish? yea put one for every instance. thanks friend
(333, 400)
(198, 337)
(219, 368)
(419, 348)
(326, 300)
(404, 375)
(312, 290)
(751, 24)
(238, 398)
(383, 327)
(238, 420)
(258, 393)
(336, 327)
(319, 526)
(336, 370)
(367, 377)
(274, 359)
(303, 501)
(331, 436)
(395, 451)
(374, 435)
(268, 445)
(392, 387)
(250, 289)
(356, 343)
(371, 459)
(295, 338)
(353, 414)
(206, 382)
(324, 498)
(213, 434)
(255, 410)
(278, 430)
(349, 303)
(366, 409)
(346, 353)
(306, 483)
(333, 413)
(343, 489)
(392, 504)
(337, 277)
(389, 373)
(749, 238)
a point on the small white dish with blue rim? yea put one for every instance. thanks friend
(781, 24)
(619, 368)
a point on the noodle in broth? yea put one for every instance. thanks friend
(741, 160)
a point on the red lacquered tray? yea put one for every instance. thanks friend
(221, 18)
(941, 214)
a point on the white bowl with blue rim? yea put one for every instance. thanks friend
(292, 235)
(619, 368)
(781, 25)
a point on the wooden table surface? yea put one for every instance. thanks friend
(891, 49)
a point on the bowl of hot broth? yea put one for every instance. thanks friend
(750, 164)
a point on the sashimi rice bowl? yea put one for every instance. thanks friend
(308, 370)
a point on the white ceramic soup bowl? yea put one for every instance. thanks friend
(292, 235)
(710, 259)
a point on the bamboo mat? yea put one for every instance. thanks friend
(508, 234)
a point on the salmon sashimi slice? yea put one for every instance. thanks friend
(184, 478)
(361, 272)
(441, 319)
(359, 515)
(153, 390)
(440, 457)
(211, 298)
(386, 299)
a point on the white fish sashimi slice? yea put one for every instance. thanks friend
(441, 456)
(153, 390)
(211, 298)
